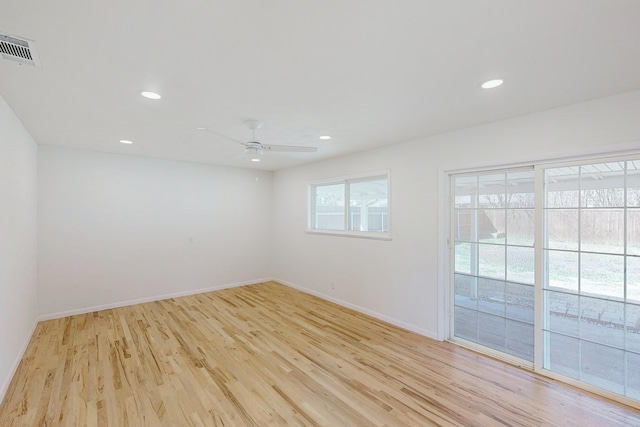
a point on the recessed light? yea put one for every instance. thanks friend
(150, 95)
(126, 141)
(492, 83)
(201, 128)
(255, 159)
(324, 137)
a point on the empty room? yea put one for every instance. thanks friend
(332, 213)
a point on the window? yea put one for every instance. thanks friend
(356, 206)
(567, 302)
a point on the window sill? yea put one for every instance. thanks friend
(356, 234)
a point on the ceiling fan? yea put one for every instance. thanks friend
(254, 149)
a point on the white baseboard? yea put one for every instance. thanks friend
(425, 332)
(7, 381)
(125, 303)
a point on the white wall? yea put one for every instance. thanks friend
(398, 280)
(115, 228)
(18, 298)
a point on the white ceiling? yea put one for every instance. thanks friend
(367, 72)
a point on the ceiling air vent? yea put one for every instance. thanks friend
(19, 50)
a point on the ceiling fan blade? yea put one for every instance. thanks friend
(257, 146)
(290, 148)
(228, 138)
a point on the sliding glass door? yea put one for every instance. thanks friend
(587, 285)
(494, 261)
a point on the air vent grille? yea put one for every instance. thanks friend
(19, 50)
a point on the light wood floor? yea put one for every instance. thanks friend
(270, 355)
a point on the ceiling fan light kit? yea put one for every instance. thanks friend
(254, 150)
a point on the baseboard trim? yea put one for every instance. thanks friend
(424, 332)
(154, 298)
(5, 385)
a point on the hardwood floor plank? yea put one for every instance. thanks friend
(265, 355)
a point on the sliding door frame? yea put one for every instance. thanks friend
(448, 269)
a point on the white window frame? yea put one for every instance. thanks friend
(347, 180)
